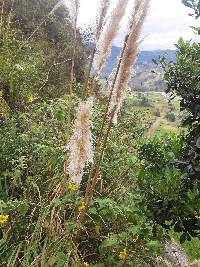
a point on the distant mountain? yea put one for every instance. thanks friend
(148, 76)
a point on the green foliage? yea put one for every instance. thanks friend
(35, 52)
(32, 136)
(134, 195)
(171, 117)
(32, 156)
(145, 102)
(157, 113)
(183, 80)
(193, 4)
(158, 180)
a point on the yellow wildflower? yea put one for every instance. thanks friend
(135, 238)
(82, 206)
(1, 93)
(85, 264)
(97, 229)
(123, 255)
(3, 218)
(72, 186)
(30, 99)
(34, 125)
(69, 96)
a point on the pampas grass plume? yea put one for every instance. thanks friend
(80, 146)
(110, 33)
(129, 56)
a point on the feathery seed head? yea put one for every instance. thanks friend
(129, 56)
(80, 146)
(110, 33)
(101, 17)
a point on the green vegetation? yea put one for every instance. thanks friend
(85, 180)
(35, 56)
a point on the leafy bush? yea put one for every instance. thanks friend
(171, 117)
(145, 102)
(35, 60)
(159, 180)
(115, 232)
(183, 80)
(157, 113)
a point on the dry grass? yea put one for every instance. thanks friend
(80, 146)
(110, 33)
(100, 23)
(129, 56)
(120, 81)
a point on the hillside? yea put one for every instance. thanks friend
(148, 77)
(96, 170)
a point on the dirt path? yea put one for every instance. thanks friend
(155, 126)
(175, 255)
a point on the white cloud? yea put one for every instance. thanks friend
(167, 21)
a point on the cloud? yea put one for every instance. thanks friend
(168, 20)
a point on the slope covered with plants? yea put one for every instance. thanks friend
(82, 183)
(35, 51)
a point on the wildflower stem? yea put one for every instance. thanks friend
(45, 19)
(85, 88)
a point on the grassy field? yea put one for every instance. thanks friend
(157, 106)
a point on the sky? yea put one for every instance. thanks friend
(167, 21)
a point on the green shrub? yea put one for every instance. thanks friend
(144, 102)
(171, 117)
(32, 156)
(157, 113)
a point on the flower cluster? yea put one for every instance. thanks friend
(72, 187)
(82, 206)
(3, 218)
(123, 255)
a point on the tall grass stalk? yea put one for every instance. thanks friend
(101, 20)
(75, 6)
(2, 14)
(105, 45)
(74, 9)
(122, 76)
(129, 57)
(110, 33)
(80, 145)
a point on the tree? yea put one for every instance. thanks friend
(169, 178)
(183, 80)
